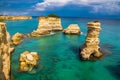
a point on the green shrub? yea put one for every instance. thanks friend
(1, 20)
(53, 15)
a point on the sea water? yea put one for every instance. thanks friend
(59, 53)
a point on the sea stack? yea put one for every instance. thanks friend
(91, 49)
(4, 53)
(46, 25)
(72, 29)
(52, 22)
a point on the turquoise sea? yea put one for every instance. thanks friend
(59, 53)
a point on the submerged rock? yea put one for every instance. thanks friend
(91, 47)
(28, 60)
(17, 38)
(72, 29)
(47, 25)
(4, 53)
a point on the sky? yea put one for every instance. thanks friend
(64, 8)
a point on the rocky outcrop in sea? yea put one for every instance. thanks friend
(91, 47)
(4, 53)
(17, 38)
(72, 29)
(47, 25)
(28, 60)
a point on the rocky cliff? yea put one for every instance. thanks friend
(53, 23)
(4, 53)
(72, 29)
(91, 47)
(15, 17)
(47, 25)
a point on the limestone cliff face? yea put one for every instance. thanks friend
(47, 25)
(15, 17)
(4, 53)
(91, 47)
(53, 23)
(72, 29)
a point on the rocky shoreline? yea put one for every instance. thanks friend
(15, 17)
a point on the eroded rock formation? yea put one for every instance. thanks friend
(47, 25)
(72, 29)
(91, 47)
(28, 60)
(53, 23)
(15, 17)
(17, 38)
(4, 53)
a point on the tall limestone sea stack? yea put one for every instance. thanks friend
(91, 47)
(4, 53)
(46, 25)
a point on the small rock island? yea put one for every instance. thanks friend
(46, 25)
(91, 47)
(28, 60)
(72, 29)
(4, 53)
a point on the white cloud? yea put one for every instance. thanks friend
(96, 5)
(48, 4)
(108, 7)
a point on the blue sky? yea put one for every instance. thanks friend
(72, 8)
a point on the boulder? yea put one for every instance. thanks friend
(17, 38)
(72, 29)
(91, 48)
(28, 60)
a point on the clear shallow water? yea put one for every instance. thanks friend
(59, 53)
